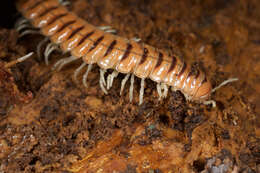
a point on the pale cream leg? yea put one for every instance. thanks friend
(102, 81)
(30, 31)
(141, 95)
(49, 49)
(39, 47)
(208, 102)
(159, 90)
(21, 59)
(78, 70)
(64, 2)
(110, 79)
(123, 83)
(24, 26)
(107, 29)
(61, 63)
(85, 76)
(21, 21)
(131, 90)
(165, 90)
(136, 39)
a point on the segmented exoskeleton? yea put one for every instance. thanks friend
(93, 45)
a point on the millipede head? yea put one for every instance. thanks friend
(203, 92)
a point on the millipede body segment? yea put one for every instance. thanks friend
(93, 45)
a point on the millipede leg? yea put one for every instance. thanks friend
(85, 76)
(21, 21)
(78, 70)
(29, 31)
(141, 95)
(39, 47)
(131, 90)
(173, 89)
(21, 59)
(24, 26)
(107, 29)
(123, 83)
(136, 39)
(103, 71)
(208, 102)
(49, 49)
(110, 79)
(102, 81)
(61, 63)
(64, 2)
(165, 90)
(159, 90)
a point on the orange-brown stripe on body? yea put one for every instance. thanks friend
(41, 9)
(145, 67)
(77, 40)
(83, 48)
(161, 68)
(129, 59)
(50, 18)
(51, 29)
(66, 32)
(93, 45)
(115, 53)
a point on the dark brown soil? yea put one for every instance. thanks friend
(50, 123)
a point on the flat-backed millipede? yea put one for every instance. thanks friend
(72, 34)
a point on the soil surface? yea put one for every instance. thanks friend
(51, 123)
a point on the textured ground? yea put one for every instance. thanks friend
(49, 123)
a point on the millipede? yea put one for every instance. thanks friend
(65, 31)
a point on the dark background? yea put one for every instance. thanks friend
(8, 13)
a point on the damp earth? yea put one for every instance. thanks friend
(52, 123)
